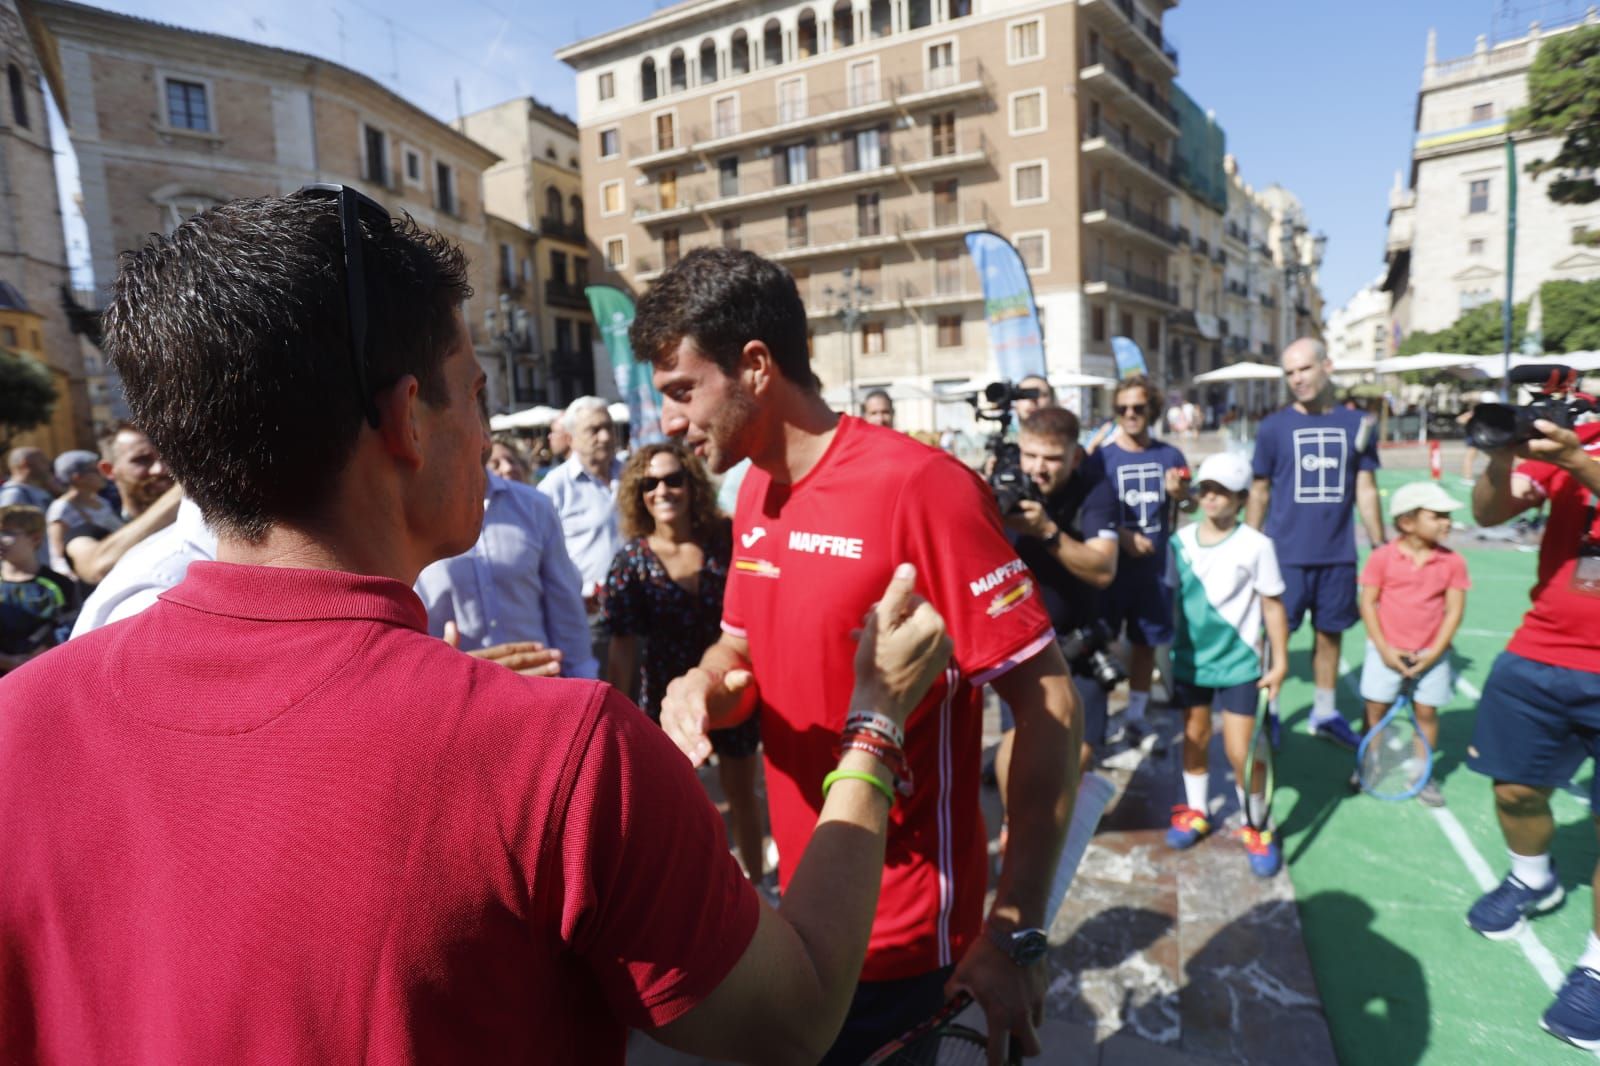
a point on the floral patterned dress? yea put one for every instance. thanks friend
(674, 625)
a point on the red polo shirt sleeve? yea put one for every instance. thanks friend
(947, 524)
(653, 900)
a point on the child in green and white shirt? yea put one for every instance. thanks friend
(1228, 585)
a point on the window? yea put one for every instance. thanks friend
(1475, 246)
(1097, 323)
(949, 331)
(8, 336)
(798, 229)
(19, 98)
(616, 252)
(1152, 336)
(844, 24)
(791, 100)
(869, 217)
(445, 188)
(508, 266)
(610, 143)
(647, 79)
(1028, 183)
(580, 272)
(666, 131)
(872, 338)
(725, 116)
(611, 198)
(413, 165)
(558, 268)
(919, 13)
(947, 271)
(564, 335)
(552, 205)
(575, 205)
(1478, 197)
(708, 62)
(1027, 111)
(863, 151)
(667, 190)
(187, 106)
(772, 44)
(1034, 250)
(377, 144)
(942, 132)
(730, 234)
(946, 202)
(869, 271)
(1480, 112)
(1026, 42)
(794, 164)
(941, 65)
(669, 248)
(739, 53)
(728, 176)
(1127, 325)
(677, 71)
(863, 81)
(607, 84)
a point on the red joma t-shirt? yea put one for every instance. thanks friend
(809, 559)
(271, 820)
(1560, 628)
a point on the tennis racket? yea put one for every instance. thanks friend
(942, 1040)
(1394, 760)
(1260, 750)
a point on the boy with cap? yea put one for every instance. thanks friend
(1413, 594)
(1228, 584)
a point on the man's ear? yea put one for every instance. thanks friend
(104, 468)
(758, 366)
(399, 421)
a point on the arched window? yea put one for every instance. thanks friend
(19, 98)
(805, 38)
(647, 79)
(575, 205)
(878, 22)
(844, 24)
(739, 53)
(552, 204)
(771, 44)
(677, 72)
(708, 61)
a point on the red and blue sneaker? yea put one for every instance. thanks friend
(1188, 826)
(1266, 858)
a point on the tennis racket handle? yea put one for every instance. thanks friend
(1094, 794)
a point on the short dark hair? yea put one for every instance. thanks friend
(231, 338)
(878, 394)
(722, 299)
(1153, 404)
(22, 518)
(1057, 423)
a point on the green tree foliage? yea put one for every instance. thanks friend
(27, 396)
(1478, 332)
(1564, 101)
(1571, 315)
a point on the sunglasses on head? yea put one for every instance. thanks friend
(1131, 408)
(674, 480)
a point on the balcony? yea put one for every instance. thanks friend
(1236, 345)
(1124, 23)
(1116, 218)
(1236, 233)
(1268, 300)
(943, 288)
(1125, 283)
(560, 230)
(946, 219)
(1121, 82)
(1106, 143)
(1219, 257)
(1201, 247)
(559, 293)
(1236, 288)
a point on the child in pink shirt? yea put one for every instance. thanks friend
(1413, 594)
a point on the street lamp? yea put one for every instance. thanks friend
(847, 302)
(507, 327)
(1299, 269)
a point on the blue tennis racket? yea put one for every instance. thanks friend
(1395, 759)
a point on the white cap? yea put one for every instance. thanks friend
(1228, 469)
(1421, 496)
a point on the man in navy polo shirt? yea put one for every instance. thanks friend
(1315, 460)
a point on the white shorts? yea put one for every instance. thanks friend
(1379, 684)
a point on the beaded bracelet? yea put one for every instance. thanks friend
(890, 756)
(857, 775)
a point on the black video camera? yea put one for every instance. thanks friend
(1011, 486)
(1502, 425)
(1087, 651)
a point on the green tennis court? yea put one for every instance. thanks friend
(1383, 888)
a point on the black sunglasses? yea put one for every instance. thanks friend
(674, 480)
(352, 203)
(1131, 408)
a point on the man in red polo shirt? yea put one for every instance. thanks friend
(271, 820)
(831, 503)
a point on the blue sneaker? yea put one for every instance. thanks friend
(1575, 1015)
(1266, 857)
(1499, 913)
(1335, 730)
(1188, 826)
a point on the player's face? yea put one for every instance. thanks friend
(713, 413)
(1306, 374)
(1049, 462)
(1133, 412)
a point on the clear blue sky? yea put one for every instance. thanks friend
(1316, 97)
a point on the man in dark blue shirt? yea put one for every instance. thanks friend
(1314, 462)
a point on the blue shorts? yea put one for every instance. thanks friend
(1091, 697)
(1235, 699)
(1140, 600)
(1380, 684)
(1328, 592)
(1536, 724)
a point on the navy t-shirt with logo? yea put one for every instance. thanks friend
(1139, 480)
(1312, 462)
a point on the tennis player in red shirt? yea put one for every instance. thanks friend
(271, 820)
(828, 508)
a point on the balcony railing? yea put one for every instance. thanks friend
(1237, 345)
(1147, 28)
(562, 231)
(1202, 247)
(1268, 300)
(1237, 233)
(1128, 281)
(1237, 288)
(968, 214)
(1140, 154)
(1141, 87)
(1132, 216)
(564, 294)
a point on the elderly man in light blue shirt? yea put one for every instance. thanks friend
(584, 490)
(516, 585)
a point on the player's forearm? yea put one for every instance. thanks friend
(1585, 470)
(1455, 608)
(94, 564)
(1493, 502)
(1277, 623)
(1367, 504)
(1369, 619)
(1255, 510)
(1087, 561)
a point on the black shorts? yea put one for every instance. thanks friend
(1235, 699)
(1536, 723)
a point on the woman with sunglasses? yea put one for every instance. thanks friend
(664, 590)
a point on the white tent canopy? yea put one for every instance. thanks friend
(1240, 372)
(618, 412)
(1404, 364)
(531, 418)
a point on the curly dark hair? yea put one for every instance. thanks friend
(231, 339)
(1154, 402)
(704, 518)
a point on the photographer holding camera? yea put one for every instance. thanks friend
(1062, 515)
(1539, 715)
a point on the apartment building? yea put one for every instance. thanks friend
(1195, 338)
(858, 142)
(537, 185)
(1446, 247)
(1359, 333)
(167, 121)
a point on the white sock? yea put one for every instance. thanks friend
(1531, 870)
(1590, 959)
(1323, 706)
(1137, 702)
(1197, 789)
(1258, 804)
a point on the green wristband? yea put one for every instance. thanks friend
(858, 775)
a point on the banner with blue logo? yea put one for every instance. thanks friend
(1008, 306)
(613, 314)
(1130, 360)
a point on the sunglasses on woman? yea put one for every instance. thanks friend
(674, 480)
(1130, 408)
